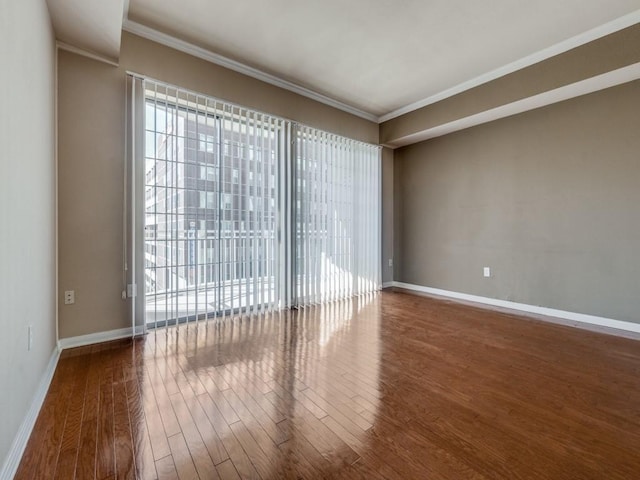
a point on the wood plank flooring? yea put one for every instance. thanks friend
(386, 386)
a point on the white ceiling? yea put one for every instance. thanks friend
(91, 25)
(375, 55)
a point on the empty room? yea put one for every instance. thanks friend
(314, 240)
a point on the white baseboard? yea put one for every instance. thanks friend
(99, 337)
(14, 456)
(574, 319)
(12, 462)
(388, 284)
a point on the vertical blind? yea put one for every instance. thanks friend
(337, 212)
(244, 211)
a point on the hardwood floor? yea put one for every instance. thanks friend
(387, 386)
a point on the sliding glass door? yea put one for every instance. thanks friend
(236, 211)
(337, 214)
(211, 177)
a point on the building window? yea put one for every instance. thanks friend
(206, 143)
(207, 199)
(209, 172)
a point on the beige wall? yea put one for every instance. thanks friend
(27, 209)
(91, 152)
(90, 194)
(387, 214)
(608, 53)
(549, 199)
(398, 215)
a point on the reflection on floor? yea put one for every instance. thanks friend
(383, 386)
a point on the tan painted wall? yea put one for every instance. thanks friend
(398, 215)
(603, 55)
(91, 151)
(27, 209)
(387, 214)
(90, 194)
(549, 199)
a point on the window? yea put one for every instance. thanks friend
(207, 199)
(206, 143)
(209, 172)
(225, 236)
(337, 216)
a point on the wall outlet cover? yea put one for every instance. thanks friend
(69, 297)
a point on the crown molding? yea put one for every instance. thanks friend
(186, 47)
(561, 47)
(583, 87)
(125, 10)
(564, 46)
(86, 53)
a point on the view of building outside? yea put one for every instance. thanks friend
(210, 213)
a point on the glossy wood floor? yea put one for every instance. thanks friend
(388, 386)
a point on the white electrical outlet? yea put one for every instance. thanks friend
(69, 297)
(487, 271)
(391, 262)
(29, 337)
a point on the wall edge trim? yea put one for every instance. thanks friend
(99, 337)
(12, 461)
(561, 47)
(204, 54)
(598, 83)
(85, 53)
(576, 319)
